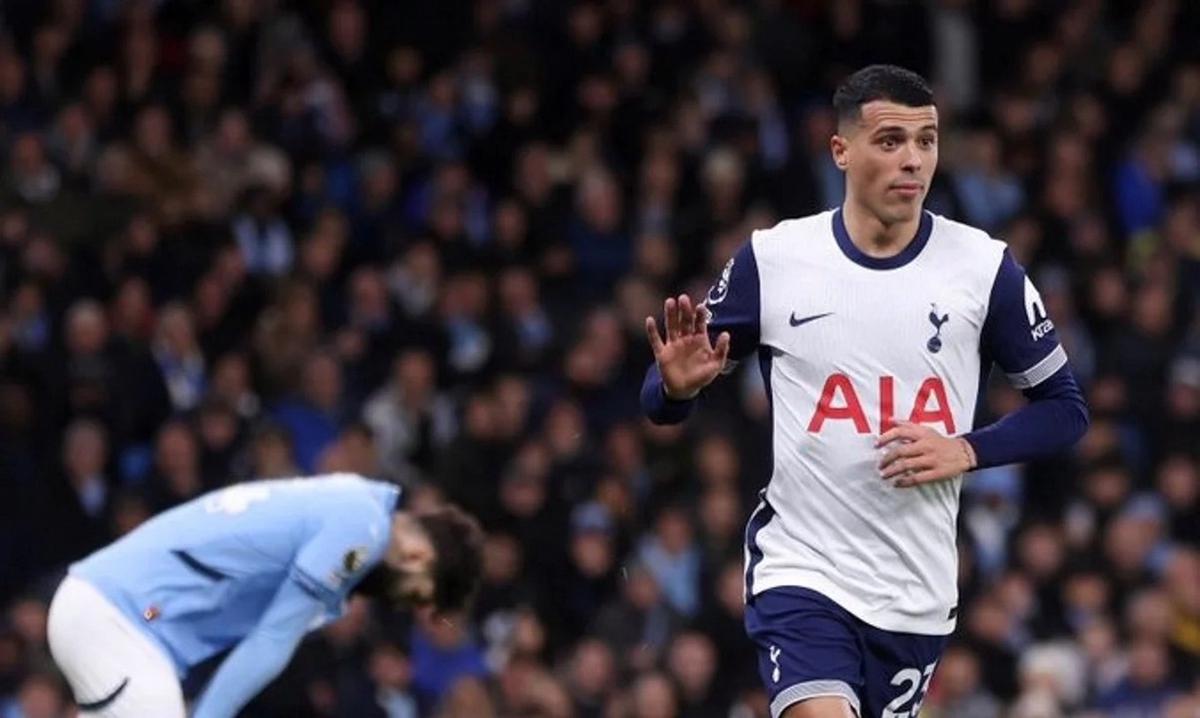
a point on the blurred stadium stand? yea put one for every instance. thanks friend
(417, 240)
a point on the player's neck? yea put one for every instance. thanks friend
(872, 236)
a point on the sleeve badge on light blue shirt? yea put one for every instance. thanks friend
(355, 559)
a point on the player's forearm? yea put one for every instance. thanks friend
(253, 664)
(261, 656)
(657, 406)
(1055, 418)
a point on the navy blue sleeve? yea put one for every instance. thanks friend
(734, 306)
(658, 407)
(1017, 333)
(1019, 336)
(1054, 419)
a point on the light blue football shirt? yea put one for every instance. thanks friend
(199, 577)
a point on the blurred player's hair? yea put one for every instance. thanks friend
(880, 82)
(458, 540)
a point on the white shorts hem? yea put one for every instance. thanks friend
(814, 689)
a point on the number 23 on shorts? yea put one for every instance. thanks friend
(914, 684)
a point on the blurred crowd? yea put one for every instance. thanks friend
(418, 240)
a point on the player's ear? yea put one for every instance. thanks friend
(839, 147)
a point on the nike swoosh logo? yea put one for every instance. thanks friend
(797, 322)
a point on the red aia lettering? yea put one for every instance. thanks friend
(887, 401)
(848, 405)
(850, 408)
(922, 414)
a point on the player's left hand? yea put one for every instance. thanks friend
(921, 455)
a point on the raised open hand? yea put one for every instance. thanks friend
(687, 360)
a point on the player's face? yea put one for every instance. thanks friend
(889, 156)
(410, 563)
(414, 588)
(402, 589)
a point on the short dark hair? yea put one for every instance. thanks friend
(880, 82)
(458, 542)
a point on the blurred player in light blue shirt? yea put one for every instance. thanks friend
(253, 566)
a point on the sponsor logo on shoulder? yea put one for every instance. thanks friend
(720, 290)
(354, 559)
(1042, 329)
(1035, 311)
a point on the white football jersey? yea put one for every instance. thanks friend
(849, 344)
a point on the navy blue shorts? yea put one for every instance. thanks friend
(809, 646)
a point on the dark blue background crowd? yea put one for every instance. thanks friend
(418, 240)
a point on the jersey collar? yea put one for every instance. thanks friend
(903, 257)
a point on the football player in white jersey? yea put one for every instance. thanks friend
(875, 325)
